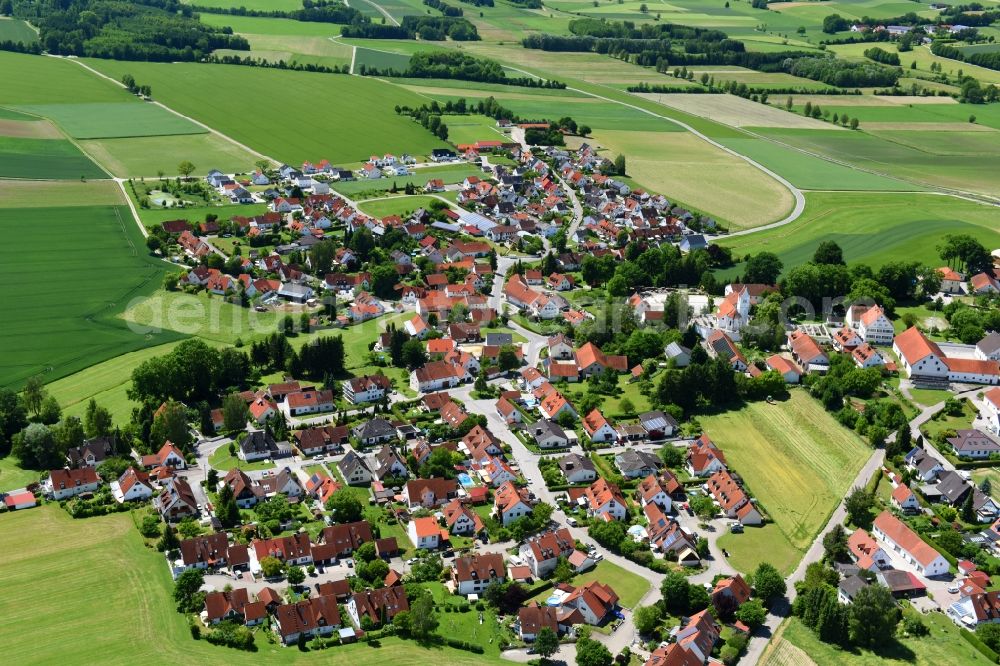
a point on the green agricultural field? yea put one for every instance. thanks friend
(71, 270)
(41, 193)
(920, 155)
(104, 120)
(371, 57)
(273, 123)
(805, 170)
(30, 79)
(262, 5)
(683, 166)
(472, 128)
(794, 457)
(145, 157)
(55, 159)
(59, 589)
(796, 645)
(909, 227)
(106, 382)
(257, 26)
(151, 216)
(14, 30)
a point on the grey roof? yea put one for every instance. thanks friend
(852, 585)
(953, 487)
(574, 461)
(972, 439)
(675, 349)
(632, 461)
(350, 462)
(258, 441)
(499, 339)
(292, 289)
(657, 420)
(546, 428)
(990, 344)
(374, 429)
(695, 241)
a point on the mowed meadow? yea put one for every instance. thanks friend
(796, 460)
(110, 603)
(71, 270)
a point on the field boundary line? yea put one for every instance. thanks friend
(383, 12)
(207, 128)
(800, 199)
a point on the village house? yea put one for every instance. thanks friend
(378, 606)
(732, 499)
(429, 493)
(374, 431)
(92, 453)
(461, 520)
(291, 550)
(871, 323)
(168, 456)
(973, 444)
(924, 362)
(533, 617)
(176, 500)
(355, 470)
(510, 503)
(720, 345)
(233, 605)
(260, 444)
(65, 483)
(425, 533)
(343, 539)
(635, 464)
(577, 469)
(540, 553)
(990, 410)
(658, 490)
(905, 542)
(472, 574)
(315, 616)
(321, 439)
(865, 551)
(807, 352)
(132, 486)
(602, 499)
(309, 402)
(704, 458)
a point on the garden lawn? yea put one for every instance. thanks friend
(630, 586)
(872, 228)
(99, 580)
(12, 476)
(47, 159)
(222, 461)
(946, 422)
(371, 188)
(71, 270)
(978, 476)
(760, 544)
(396, 205)
(795, 459)
(943, 645)
(929, 397)
(358, 117)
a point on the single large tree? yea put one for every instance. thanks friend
(763, 268)
(873, 615)
(859, 506)
(185, 168)
(767, 582)
(345, 507)
(828, 252)
(234, 412)
(423, 618)
(186, 591)
(546, 642)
